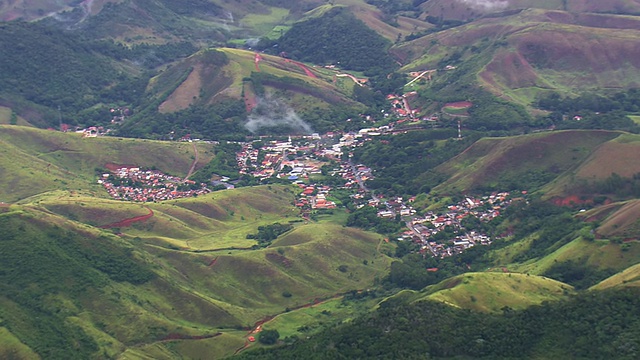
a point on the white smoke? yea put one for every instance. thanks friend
(486, 5)
(270, 112)
(75, 17)
(252, 42)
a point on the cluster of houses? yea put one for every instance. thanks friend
(281, 159)
(134, 184)
(424, 229)
(314, 196)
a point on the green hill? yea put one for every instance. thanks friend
(627, 278)
(212, 93)
(524, 162)
(491, 292)
(522, 54)
(169, 280)
(37, 161)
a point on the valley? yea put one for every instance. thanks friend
(319, 179)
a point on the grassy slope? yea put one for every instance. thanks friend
(521, 55)
(199, 293)
(217, 83)
(625, 278)
(36, 161)
(491, 159)
(600, 254)
(610, 157)
(5, 117)
(490, 292)
(11, 347)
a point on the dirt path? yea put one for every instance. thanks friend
(303, 67)
(128, 222)
(256, 60)
(355, 79)
(195, 162)
(257, 327)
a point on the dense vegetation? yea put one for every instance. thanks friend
(44, 272)
(58, 70)
(338, 38)
(223, 164)
(590, 326)
(366, 218)
(401, 161)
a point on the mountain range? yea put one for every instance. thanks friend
(214, 179)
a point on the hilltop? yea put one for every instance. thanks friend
(491, 292)
(522, 54)
(555, 161)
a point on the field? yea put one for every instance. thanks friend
(457, 109)
(490, 292)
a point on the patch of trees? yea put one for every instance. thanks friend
(616, 185)
(552, 226)
(404, 163)
(147, 55)
(367, 218)
(578, 274)
(223, 163)
(222, 121)
(395, 6)
(411, 272)
(595, 325)
(339, 38)
(596, 111)
(267, 233)
(268, 337)
(164, 17)
(628, 101)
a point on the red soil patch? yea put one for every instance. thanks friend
(459, 105)
(250, 99)
(303, 67)
(213, 262)
(571, 200)
(115, 167)
(256, 61)
(279, 259)
(128, 222)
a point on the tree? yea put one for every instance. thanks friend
(269, 337)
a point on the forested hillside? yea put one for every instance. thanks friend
(590, 326)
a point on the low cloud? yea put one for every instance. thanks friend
(273, 113)
(486, 5)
